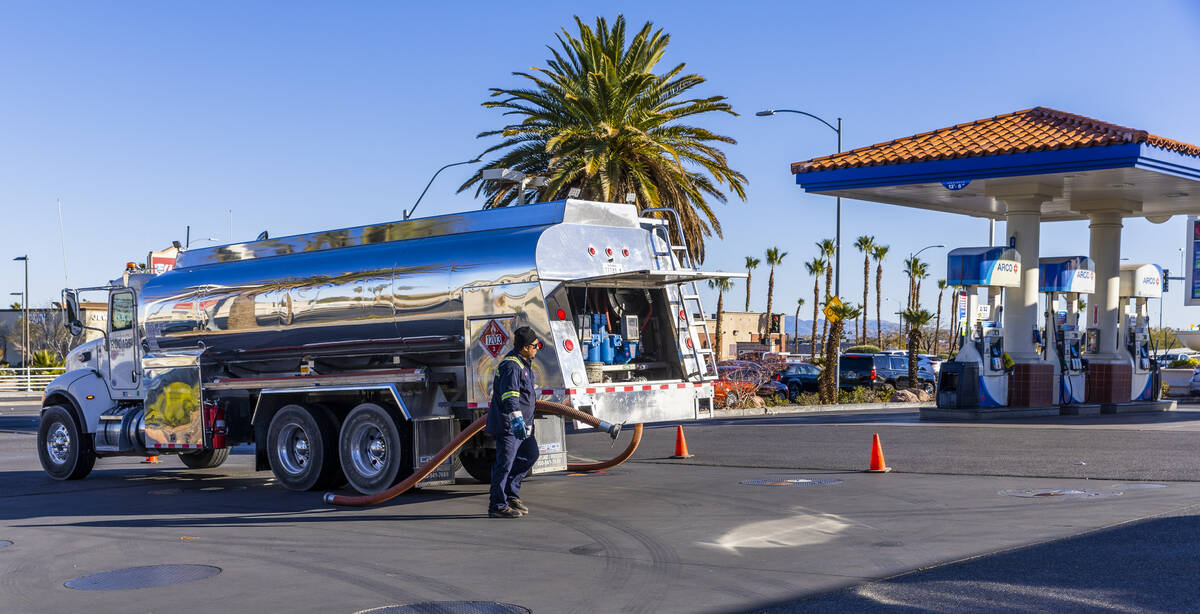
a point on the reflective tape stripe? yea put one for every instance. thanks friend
(510, 393)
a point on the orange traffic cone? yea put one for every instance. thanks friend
(877, 463)
(681, 450)
(151, 459)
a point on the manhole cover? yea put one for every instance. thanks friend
(142, 577)
(1138, 486)
(1061, 493)
(791, 482)
(450, 607)
(4, 543)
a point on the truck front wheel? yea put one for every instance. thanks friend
(372, 450)
(302, 448)
(65, 452)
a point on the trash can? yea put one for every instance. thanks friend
(958, 385)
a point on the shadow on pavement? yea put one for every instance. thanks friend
(1144, 566)
(183, 492)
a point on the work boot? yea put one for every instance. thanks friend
(516, 504)
(507, 512)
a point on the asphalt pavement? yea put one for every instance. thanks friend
(772, 514)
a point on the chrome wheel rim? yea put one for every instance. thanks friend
(368, 450)
(294, 449)
(58, 444)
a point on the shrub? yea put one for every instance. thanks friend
(807, 398)
(1184, 363)
(863, 349)
(862, 394)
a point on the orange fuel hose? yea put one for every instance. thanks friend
(545, 407)
(614, 461)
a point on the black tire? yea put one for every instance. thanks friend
(794, 391)
(65, 452)
(928, 388)
(206, 459)
(478, 461)
(373, 450)
(302, 448)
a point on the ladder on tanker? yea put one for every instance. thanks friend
(678, 259)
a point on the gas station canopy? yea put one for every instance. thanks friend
(962, 168)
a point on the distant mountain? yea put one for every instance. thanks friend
(806, 325)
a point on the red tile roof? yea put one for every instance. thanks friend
(1037, 129)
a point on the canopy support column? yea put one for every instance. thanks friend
(1032, 381)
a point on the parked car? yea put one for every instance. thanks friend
(933, 362)
(882, 370)
(799, 377)
(746, 378)
(1194, 385)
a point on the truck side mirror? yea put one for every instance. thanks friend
(71, 300)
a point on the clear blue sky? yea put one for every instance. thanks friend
(145, 117)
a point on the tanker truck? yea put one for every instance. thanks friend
(353, 356)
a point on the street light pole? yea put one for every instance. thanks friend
(837, 254)
(408, 214)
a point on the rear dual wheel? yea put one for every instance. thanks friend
(374, 448)
(302, 448)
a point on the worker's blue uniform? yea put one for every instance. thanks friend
(512, 390)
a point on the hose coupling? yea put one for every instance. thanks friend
(328, 498)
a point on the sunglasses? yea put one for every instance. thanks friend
(537, 345)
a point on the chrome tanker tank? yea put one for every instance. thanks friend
(426, 291)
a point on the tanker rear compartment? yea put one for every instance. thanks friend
(626, 334)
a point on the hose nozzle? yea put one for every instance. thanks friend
(613, 430)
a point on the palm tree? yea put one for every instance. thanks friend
(721, 285)
(600, 119)
(827, 387)
(937, 327)
(827, 248)
(751, 264)
(815, 267)
(864, 244)
(878, 253)
(915, 318)
(774, 258)
(796, 324)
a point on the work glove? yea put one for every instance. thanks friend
(518, 425)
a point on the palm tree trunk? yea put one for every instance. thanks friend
(748, 274)
(829, 387)
(816, 302)
(878, 304)
(720, 339)
(770, 299)
(866, 295)
(937, 328)
(796, 330)
(828, 283)
(914, 335)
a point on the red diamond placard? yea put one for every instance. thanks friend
(493, 338)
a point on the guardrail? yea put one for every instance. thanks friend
(31, 379)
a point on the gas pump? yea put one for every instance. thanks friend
(1064, 279)
(978, 374)
(1140, 282)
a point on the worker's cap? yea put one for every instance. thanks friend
(524, 336)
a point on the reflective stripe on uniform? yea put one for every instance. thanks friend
(510, 393)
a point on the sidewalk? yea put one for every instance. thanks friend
(11, 395)
(811, 409)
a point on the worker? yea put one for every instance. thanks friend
(510, 421)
